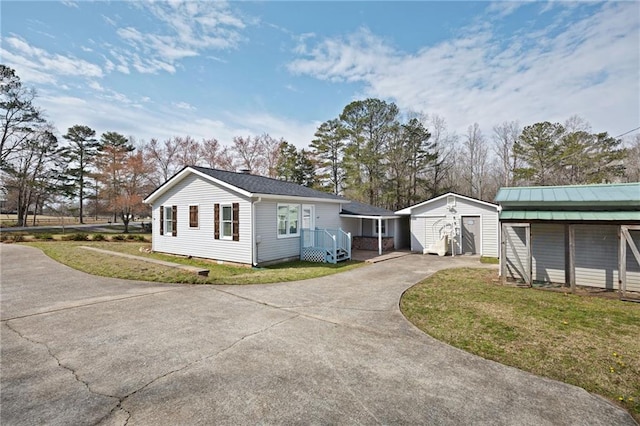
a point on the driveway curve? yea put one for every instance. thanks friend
(80, 349)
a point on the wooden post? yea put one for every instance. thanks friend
(529, 277)
(622, 262)
(572, 257)
(625, 238)
(503, 255)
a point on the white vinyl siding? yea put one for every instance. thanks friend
(272, 248)
(200, 242)
(370, 228)
(351, 224)
(517, 257)
(423, 218)
(548, 252)
(597, 258)
(418, 229)
(374, 226)
(596, 255)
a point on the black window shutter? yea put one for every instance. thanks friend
(216, 221)
(236, 221)
(174, 220)
(161, 220)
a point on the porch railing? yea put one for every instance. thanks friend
(325, 245)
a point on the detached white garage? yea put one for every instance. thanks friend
(468, 225)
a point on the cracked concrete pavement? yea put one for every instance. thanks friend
(79, 349)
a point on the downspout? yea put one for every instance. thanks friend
(379, 236)
(153, 228)
(254, 243)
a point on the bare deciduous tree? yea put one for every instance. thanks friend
(474, 158)
(249, 153)
(271, 154)
(504, 136)
(164, 156)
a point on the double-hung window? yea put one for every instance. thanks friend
(288, 220)
(383, 226)
(226, 225)
(226, 222)
(169, 220)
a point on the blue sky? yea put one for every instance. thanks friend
(218, 70)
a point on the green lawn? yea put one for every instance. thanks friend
(69, 253)
(587, 341)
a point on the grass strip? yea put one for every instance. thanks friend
(586, 341)
(102, 264)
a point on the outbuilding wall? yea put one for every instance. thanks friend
(548, 252)
(426, 220)
(596, 255)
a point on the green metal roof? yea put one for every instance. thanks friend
(590, 196)
(568, 215)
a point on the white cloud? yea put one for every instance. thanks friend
(35, 62)
(69, 3)
(96, 86)
(503, 8)
(111, 111)
(187, 29)
(586, 66)
(297, 133)
(184, 105)
(25, 68)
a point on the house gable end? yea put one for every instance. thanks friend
(424, 205)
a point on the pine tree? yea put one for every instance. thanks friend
(80, 154)
(328, 149)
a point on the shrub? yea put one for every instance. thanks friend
(132, 237)
(79, 236)
(98, 237)
(15, 237)
(43, 236)
(117, 237)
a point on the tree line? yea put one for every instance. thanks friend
(371, 152)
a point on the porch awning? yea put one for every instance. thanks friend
(568, 215)
(364, 216)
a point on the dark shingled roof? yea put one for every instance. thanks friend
(361, 209)
(264, 185)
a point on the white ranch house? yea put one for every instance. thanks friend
(453, 224)
(254, 220)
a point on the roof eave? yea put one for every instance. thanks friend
(408, 210)
(180, 175)
(367, 216)
(561, 204)
(299, 198)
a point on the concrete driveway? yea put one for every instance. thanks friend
(78, 349)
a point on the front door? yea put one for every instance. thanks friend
(308, 224)
(470, 234)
